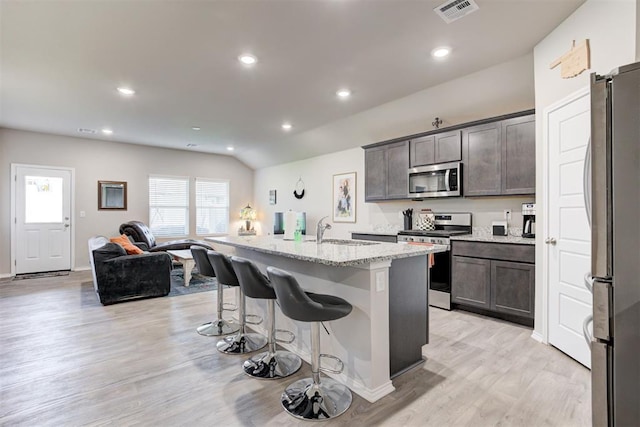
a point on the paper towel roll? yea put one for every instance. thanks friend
(290, 220)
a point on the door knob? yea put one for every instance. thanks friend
(550, 241)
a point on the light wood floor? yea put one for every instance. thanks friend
(68, 361)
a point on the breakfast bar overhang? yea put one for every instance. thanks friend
(385, 282)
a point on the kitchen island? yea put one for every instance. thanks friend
(385, 282)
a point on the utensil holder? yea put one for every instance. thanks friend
(408, 222)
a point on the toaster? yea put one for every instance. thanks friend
(499, 228)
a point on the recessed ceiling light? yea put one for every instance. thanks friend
(247, 59)
(195, 128)
(126, 91)
(107, 131)
(343, 93)
(192, 145)
(230, 148)
(287, 126)
(441, 52)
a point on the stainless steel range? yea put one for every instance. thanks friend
(446, 225)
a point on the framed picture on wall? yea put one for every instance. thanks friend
(344, 197)
(272, 197)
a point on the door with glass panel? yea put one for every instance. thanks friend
(42, 219)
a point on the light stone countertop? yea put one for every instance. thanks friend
(328, 253)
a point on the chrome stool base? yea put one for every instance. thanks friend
(269, 366)
(308, 401)
(242, 343)
(218, 328)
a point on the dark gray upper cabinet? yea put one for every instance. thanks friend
(397, 167)
(497, 154)
(499, 158)
(481, 153)
(385, 170)
(447, 147)
(422, 151)
(375, 173)
(519, 155)
(438, 148)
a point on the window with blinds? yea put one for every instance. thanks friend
(212, 206)
(169, 206)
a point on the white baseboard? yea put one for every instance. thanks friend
(82, 268)
(536, 336)
(5, 275)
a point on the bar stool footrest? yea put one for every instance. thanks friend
(227, 306)
(286, 341)
(337, 370)
(252, 322)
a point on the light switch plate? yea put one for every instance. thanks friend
(380, 281)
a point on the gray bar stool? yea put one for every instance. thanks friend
(219, 326)
(242, 342)
(310, 398)
(271, 364)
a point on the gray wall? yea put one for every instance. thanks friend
(100, 160)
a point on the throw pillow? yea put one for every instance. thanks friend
(124, 241)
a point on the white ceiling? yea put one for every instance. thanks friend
(61, 62)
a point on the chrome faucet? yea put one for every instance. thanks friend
(321, 228)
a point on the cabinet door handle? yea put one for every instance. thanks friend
(550, 241)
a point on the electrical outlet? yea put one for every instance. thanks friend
(507, 214)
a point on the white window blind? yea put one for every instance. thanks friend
(169, 206)
(212, 206)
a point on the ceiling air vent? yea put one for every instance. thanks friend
(85, 130)
(454, 10)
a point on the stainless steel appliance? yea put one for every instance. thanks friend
(529, 220)
(612, 171)
(441, 180)
(447, 225)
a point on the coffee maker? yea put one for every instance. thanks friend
(528, 220)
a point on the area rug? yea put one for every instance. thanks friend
(199, 283)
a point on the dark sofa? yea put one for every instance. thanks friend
(144, 238)
(120, 277)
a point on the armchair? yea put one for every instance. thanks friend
(140, 233)
(120, 277)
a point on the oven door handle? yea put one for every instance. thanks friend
(446, 180)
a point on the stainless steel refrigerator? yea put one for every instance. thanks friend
(614, 173)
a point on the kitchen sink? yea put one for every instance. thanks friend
(349, 242)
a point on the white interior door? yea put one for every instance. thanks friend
(42, 238)
(569, 234)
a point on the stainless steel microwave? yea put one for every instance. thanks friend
(441, 180)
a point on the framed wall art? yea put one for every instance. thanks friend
(112, 195)
(272, 197)
(344, 197)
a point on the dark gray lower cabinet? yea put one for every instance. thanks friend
(513, 288)
(472, 281)
(495, 278)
